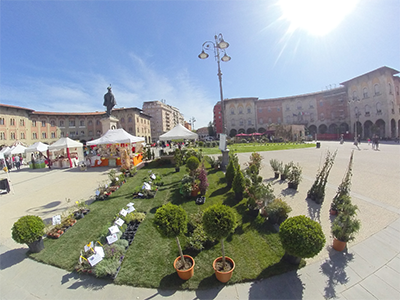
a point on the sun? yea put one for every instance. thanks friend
(317, 17)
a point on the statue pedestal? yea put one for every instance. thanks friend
(108, 123)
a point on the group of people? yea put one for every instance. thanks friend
(11, 162)
(357, 141)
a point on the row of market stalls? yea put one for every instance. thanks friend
(104, 151)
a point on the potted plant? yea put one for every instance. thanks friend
(218, 222)
(345, 226)
(258, 194)
(203, 186)
(192, 164)
(238, 185)
(171, 221)
(301, 237)
(284, 169)
(277, 211)
(317, 190)
(178, 159)
(29, 230)
(294, 177)
(275, 167)
(230, 173)
(343, 189)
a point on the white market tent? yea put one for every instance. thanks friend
(63, 143)
(177, 133)
(116, 136)
(4, 150)
(18, 149)
(38, 146)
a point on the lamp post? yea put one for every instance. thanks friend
(219, 46)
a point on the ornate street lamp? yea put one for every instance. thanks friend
(218, 45)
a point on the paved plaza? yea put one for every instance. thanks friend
(369, 269)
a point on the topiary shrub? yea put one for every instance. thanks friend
(171, 221)
(28, 229)
(238, 185)
(192, 164)
(230, 173)
(301, 237)
(218, 222)
(277, 211)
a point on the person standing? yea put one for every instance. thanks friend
(356, 143)
(17, 162)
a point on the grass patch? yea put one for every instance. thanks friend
(255, 245)
(257, 147)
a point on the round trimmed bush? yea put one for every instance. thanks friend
(301, 237)
(171, 220)
(192, 163)
(27, 229)
(219, 221)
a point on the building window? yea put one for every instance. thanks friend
(249, 110)
(71, 123)
(22, 135)
(61, 123)
(21, 122)
(397, 90)
(321, 103)
(390, 89)
(249, 122)
(12, 122)
(299, 105)
(43, 123)
(322, 116)
(53, 135)
(98, 132)
(2, 136)
(33, 123)
(269, 120)
(1, 121)
(378, 108)
(367, 110)
(98, 122)
(232, 112)
(82, 123)
(52, 123)
(90, 123)
(354, 95)
(233, 123)
(278, 109)
(62, 134)
(241, 122)
(311, 105)
(260, 121)
(287, 107)
(122, 120)
(34, 135)
(12, 135)
(130, 129)
(129, 119)
(43, 135)
(376, 89)
(365, 93)
(82, 133)
(279, 120)
(72, 133)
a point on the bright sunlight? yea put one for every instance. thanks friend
(317, 17)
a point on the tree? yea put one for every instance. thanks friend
(211, 129)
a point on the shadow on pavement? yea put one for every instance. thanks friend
(84, 281)
(334, 269)
(12, 257)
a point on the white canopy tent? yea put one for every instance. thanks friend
(38, 146)
(67, 143)
(5, 150)
(116, 136)
(17, 150)
(177, 133)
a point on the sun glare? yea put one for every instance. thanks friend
(317, 17)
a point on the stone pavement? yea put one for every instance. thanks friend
(369, 269)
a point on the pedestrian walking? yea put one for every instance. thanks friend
(356, 143)
(17, 162)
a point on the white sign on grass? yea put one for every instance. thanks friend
(123, 212)
(57, 220)
(112, 238)
(113, 229)
(95, 259)
(119, 222)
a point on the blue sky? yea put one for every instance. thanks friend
(61, 55)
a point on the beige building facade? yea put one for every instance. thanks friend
(164, 117)
(366, 105)
(29, 126)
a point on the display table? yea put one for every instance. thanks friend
(112, 161)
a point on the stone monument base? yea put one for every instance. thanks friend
(109, 123)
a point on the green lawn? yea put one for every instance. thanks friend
(255, 245)
(257, 147)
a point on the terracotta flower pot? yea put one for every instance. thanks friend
(195, 191)
(333, 212)
(338, 245)
(224, 276)
(185, 274)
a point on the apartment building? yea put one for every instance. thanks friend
(164, 117)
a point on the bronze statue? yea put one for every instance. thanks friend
(109, 101)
